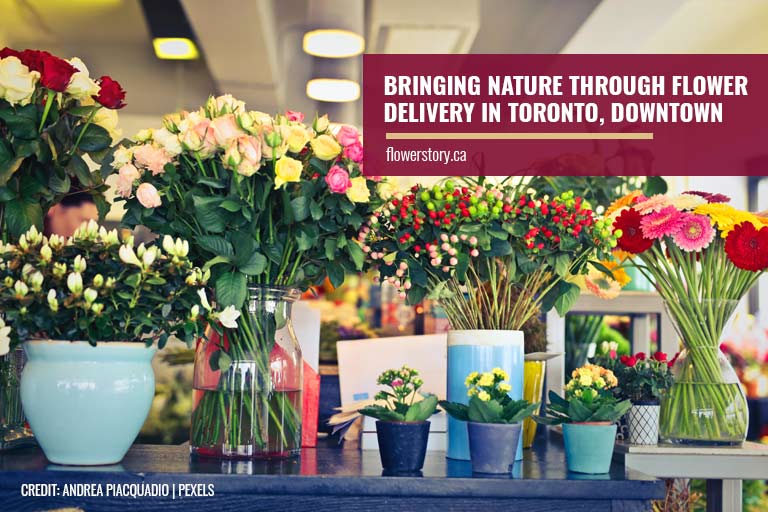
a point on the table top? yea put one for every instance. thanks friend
(747, 449)
(338, 472)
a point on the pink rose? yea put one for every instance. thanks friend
(225, 128)
(148, 196)
(292, 115)
(249, 148)
(151, 158)
(354, 152)
(200, 138)
(125, 178)
(338, 180)
(347, 135)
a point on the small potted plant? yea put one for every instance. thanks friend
(644, 381)
(494, 420)
(402, 427)
(88, 311)
(588, 414)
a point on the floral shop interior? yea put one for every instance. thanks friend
(204, 298)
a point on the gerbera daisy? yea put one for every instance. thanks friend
(687, 201)
(709, 196)
(665, 222)
(652, 204)
(627, 200)
(603, 285)
(695, 233)
(631, 239)
(747, 247)
(726, 217)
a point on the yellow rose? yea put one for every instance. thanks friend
(325, 147)
(107, 119)
(287, 170)
(486, 379)
(17, 82)
(484, 396)
(321, 124)
(358, 192)
(297, 137)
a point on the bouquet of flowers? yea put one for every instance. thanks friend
(94, 287)
(642, 379)
(703, 256)
(52, 115)
(510, 251)
(267, 203)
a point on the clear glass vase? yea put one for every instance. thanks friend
(14, 431)
(706, 404)
(248, 383)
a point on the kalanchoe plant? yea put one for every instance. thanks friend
(509, 252)
(401, 402)
(489, 400)
(588, 398)
(52, 114)
(93, 287)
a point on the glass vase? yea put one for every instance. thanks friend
(14, 431)
(706, 404)
(247, 391)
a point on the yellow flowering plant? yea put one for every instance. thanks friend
(489, 400)
(588, 398)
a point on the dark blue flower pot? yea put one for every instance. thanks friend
(402, 445)
(493, 446)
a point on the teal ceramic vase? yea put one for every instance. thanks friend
(86, 404)
(589, 447)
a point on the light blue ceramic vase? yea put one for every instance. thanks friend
(589, 447)
(480, 350)
(86, 404)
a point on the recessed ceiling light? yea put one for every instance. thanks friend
(333, 43)
(175, 48)
(333, 89)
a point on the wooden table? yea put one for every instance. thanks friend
(722, 467)
(328, 479)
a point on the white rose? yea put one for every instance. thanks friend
(168, 141)
(17, 82)
(81, 86)
(107, 119)
(122, 156)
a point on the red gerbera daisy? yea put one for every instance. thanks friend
(632, 239)
(709, 196)
(747, 247)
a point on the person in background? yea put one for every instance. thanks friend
(74, 209)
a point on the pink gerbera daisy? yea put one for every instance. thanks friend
(695, 233)
(652, 204)
(665, 222)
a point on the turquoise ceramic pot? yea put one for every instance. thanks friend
(588, 447)
(86, 404)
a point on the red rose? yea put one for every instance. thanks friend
(632, 239)
(640, 356)
(9, 52)
(628, 361)
(660, 356)
(747, 247)
(33, 59)
(724, 348)
(111, 95)
(56, 73)
(673, 361)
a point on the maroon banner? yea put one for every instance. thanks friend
(593, 115)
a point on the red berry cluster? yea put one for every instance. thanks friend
(552, 219)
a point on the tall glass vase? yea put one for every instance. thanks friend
(248, 383)
(706, 404)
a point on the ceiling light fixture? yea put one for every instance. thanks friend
(172, 35)
(175, 48)
(335, 90)
(333, 43)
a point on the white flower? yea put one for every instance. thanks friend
(5, 338)
(36, 281)
(122, 156)
(194, 312)
(108, 237)
(81, 85)
(34, 236)
(79, 265)
(20, 289)
(168, 141)
(52, 302)
(46, 253)
(128, 256)
(90, 295)
(75, 283)
(228, 317)
(687, 201)
(17, 82)
(143, 135)
(87, 231)
(56, 242)
(149, 256)
(204, 299)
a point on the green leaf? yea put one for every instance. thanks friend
(95, 138)
(230, 205)
(357, 255)
(215, 261)
(7, 170)
(217, 245)
(211, 182)
(255, 265)
(315, 210)
(335, 273)
(567, 299)
(578, 412)
(208, 214)
(381, 413)
(300, 207)
(6, 194)
(517, 410)
(133, 280)
(562, 264)
(655, 185)
(22, 214)
(455, 410)
(499, 248)
(484, 412)
(82, 111)
(60, 185)
(78, 168)
(330, 248)
(21, 121)
(422, 410)
(231, 290)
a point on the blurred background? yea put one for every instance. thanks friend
(172, 54)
